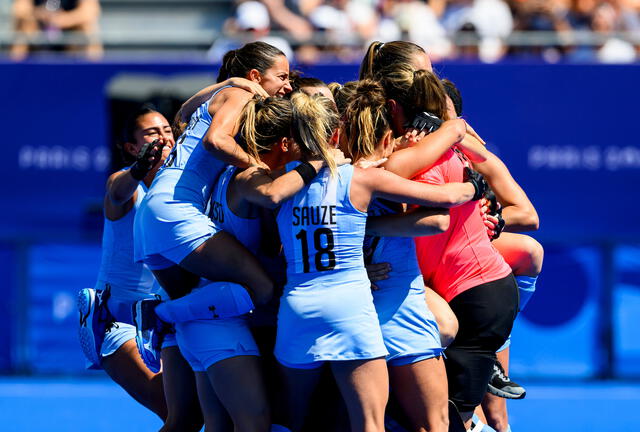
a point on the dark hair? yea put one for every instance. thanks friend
(255, 55)
(130, 127)
(342, 94)
(380, 55)
(299, 82)
(454, 94)
(414, 90)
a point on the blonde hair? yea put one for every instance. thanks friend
(263, 122)
(314, 120)
(366, 120)
(414, 90)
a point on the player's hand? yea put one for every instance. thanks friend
(474, 134)
(425, 121)
(245, 84)
(491, 211)
(258, 163)
(339, 157)
(410, 138)
(477, 180)
(370, 164)
(149, 155)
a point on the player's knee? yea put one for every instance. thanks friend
(438, 420)
(535, 256)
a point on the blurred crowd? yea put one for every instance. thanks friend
(488, 30)
(337, 30)
(40, 25)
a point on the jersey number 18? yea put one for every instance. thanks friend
(323, 244)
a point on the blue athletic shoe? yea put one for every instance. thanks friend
(94, 320)
(150, 331)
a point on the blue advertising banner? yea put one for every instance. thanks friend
(56, 273)
(565, 132)
(558, 332)
(626, 310)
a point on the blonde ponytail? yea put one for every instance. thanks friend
(366, 120)
(314, 121)
(263, 122)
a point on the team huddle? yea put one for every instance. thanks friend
(310, 256)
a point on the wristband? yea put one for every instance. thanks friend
(306, 171)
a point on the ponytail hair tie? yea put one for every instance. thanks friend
(378, 48)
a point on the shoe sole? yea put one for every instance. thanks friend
(86, 302)
(137, 319)
(503, 394)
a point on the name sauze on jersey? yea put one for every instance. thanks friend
(314, 215)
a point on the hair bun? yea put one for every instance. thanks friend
(369, 91)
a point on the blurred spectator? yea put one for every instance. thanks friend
(419, 24)
(485, 22)
(606, 20)
(342, 25)
(549, 16)
(250, 23)
(288, 20)
(54, 21)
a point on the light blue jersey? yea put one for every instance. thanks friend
(326, 311)
(128, 281)
(246, 230)
(409, 328)
(117, 267)
(205, 342)
(172, 222)
(321, 231)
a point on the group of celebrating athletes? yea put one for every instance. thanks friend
(291, 230)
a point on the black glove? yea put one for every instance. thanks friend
(147, 157)
(478, 182)
(495, 210)
(494, 205)
(425, 121)
(499, 227)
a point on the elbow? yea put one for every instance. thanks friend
(455, 198)
(209, 144)
(118, 199)
(535, 225)
(442, 223)
(213, 142)
(531, 221)
(272, 200)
